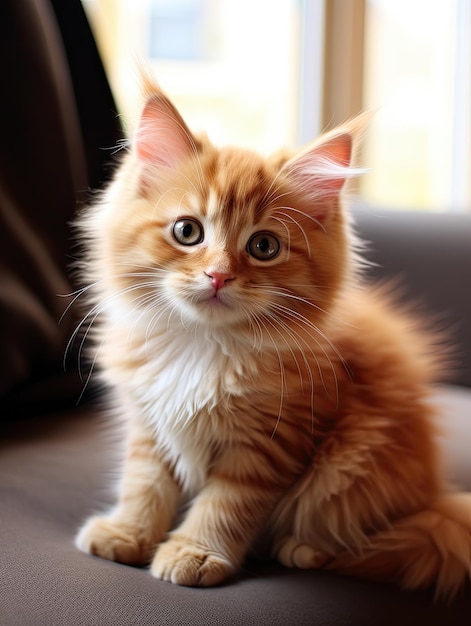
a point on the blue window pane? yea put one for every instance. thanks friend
(176, 30)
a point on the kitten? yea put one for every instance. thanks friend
(267, 391)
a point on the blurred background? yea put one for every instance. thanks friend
(267, 74)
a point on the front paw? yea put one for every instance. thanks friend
(104, 537)
(184, 563)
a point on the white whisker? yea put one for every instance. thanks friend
(281, 372)
(302, 322)
(296, 223)
(318, 336)
(288, 234)
(303, 214)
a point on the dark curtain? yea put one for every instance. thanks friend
(58, 122)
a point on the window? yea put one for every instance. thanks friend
(417, 73)
(177, 30)
(231, 71)
(266, 74)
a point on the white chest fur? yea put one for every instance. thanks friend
(184, 384)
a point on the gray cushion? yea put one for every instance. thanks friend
(428, 255)
(56, 471)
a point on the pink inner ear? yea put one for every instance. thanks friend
(162, 137)
(338, 149)
(322, 169)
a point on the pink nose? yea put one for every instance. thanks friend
(219, 279)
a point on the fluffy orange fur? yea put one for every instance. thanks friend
(267, 391)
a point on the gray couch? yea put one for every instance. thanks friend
(56, 454)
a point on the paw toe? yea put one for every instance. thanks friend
(190, 565)
(295, 553)
(101, 537)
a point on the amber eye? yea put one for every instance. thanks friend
(263, 246)
(188, 232)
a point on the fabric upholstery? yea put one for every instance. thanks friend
(55, 471)
(428, 255)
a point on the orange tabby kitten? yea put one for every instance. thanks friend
(267, 392)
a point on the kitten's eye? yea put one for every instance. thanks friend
(188, 232)
(263, 246)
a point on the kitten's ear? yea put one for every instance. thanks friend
(322, 168)
(162, 137)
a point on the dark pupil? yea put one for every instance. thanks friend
(187, 230)
(263, 245)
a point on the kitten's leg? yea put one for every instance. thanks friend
(431, 548)
(360, 479)
(219, 528)
(376, 509)
(148, 500)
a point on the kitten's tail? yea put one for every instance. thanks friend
(429, 549)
